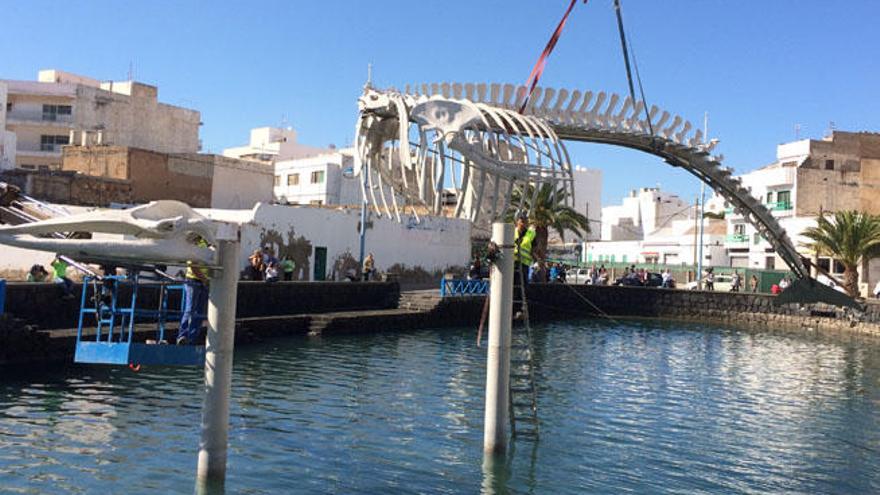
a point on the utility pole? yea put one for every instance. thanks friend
(702, 209)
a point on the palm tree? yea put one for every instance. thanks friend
(849, 237)
(549, 211)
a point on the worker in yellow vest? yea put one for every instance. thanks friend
(195, 300)
(524, 237)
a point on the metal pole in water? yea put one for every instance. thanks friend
(213, 446)
(498, 355)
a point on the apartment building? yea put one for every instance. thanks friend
(324, 179)
(61, 108)
(808, 177)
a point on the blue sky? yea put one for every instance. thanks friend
(758, 67)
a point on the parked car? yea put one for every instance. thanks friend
(723, 283)
(654, 280)
(577, 275)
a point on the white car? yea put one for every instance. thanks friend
(577, 275)
(723, 283)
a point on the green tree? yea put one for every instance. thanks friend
(850, 237)
(549, 211)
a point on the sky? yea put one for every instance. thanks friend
(761, 68)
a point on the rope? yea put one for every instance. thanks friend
(599, 310)
(538, 69)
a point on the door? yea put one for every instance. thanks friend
(320, 264)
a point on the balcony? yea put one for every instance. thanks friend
(779, 206)
(737, 238)
(38, 118)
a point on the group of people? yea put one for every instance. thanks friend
(38, 273)
(263, 265)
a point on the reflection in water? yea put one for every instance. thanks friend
(643, 407)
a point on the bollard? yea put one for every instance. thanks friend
(498, 352)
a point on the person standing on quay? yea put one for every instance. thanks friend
(287, 265)
(369, 267)
(59, 266)
(753, 284)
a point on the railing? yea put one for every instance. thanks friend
(779, 205)
(39, 116)
(458, 287)
(738, 238)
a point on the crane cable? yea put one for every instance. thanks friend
(629, 78)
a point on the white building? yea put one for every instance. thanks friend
(588, 198)
(271, 145)
(61, 108)
(323, 179)
(642, 212)
(655, 227)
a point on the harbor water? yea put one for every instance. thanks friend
(633, 406)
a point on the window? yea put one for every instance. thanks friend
(829, 164)
(824, 264)
(783, 200)
(43, 168)
(277, 180)
(623, 258)
(838, 267)
(49, 143)
(757, 238)
(29, 167)
(9, 107)
(318, 177)
(293, 180)
(769, 197)
(739, 229)
(51, 112)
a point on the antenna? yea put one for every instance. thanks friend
(369, 83)
(130, 71)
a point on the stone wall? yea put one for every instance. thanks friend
(41, 304)
(555, 301)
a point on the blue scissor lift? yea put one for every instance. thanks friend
(113, 342)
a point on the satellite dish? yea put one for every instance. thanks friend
(348, 172)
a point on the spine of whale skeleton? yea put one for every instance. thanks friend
(397, 131)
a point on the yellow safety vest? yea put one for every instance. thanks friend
(522, 250)
(197, 272)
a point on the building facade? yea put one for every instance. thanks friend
(104, 175)
(61, 108)
(809, 177)
(588, 199)
(324, 179)
(271, 145)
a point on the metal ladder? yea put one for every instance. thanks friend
(523, 394)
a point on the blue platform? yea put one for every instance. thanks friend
(113, 342)
(139, 353)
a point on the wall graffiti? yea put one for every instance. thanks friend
(298, 249)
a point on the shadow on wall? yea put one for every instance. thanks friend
(343, 264)
(299, 249)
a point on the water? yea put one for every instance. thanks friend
(638, 407)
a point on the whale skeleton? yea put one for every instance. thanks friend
(158, 232)
(412, 145)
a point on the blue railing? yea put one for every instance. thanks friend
(459, 287)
